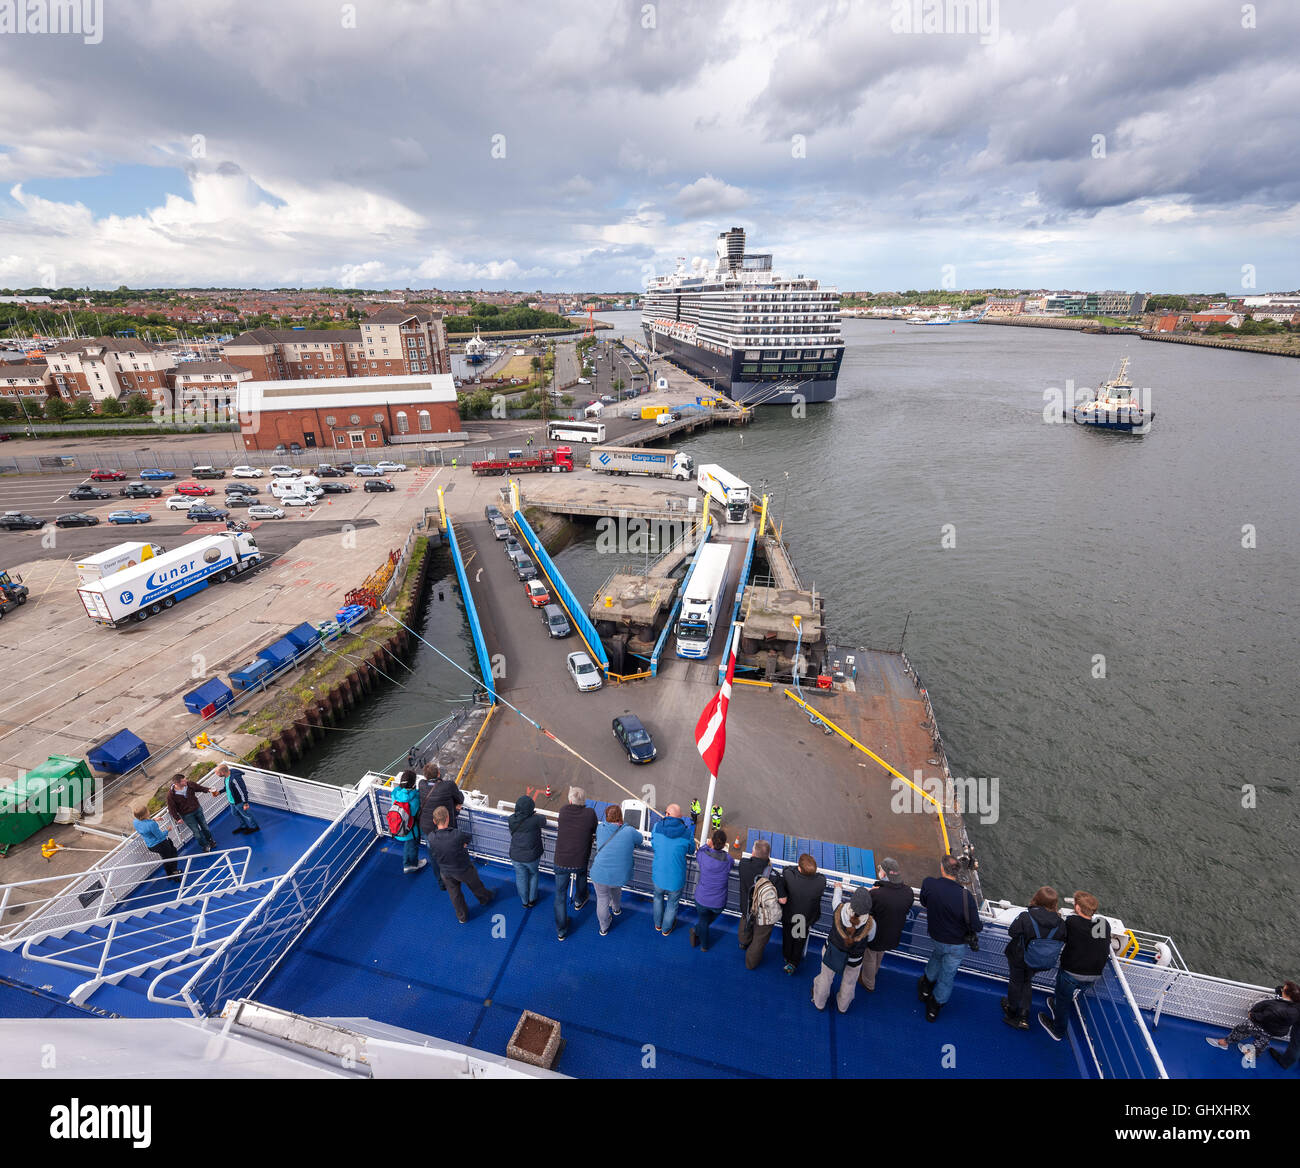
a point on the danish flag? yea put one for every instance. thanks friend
(711, 729)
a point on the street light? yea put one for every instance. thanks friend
(785, 496)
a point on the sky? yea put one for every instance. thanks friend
(1145, 145)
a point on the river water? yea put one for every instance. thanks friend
(1099, 636)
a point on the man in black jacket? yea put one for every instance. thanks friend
(1083, 961)
(574, 835)
(451, 847)
(891, 902)
(435, 792)
(750, 869)
(801, 889)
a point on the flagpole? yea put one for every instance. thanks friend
(706, 816)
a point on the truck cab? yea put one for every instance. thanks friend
(13, 592)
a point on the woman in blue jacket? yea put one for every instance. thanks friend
(711, 887)
(611, 867)
(405, 792)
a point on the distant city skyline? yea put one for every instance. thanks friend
(1062, 147)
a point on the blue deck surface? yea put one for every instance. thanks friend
(632, 1003)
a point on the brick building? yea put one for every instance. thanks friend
(354, 413)
(390, 342)
(108, 367)
(28, 383)
(208, 383)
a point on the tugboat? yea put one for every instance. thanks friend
(476, 349)
(1114, 406)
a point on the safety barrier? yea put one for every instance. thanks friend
(677, 603)
(471, 613)
(1113, 1033)
(735, 608)
(577, 612)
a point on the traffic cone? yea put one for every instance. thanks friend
(736, 845)
(548, 790)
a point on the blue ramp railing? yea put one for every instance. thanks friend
(475, 628)
(735, 608)
(577, 611)
(677, 603)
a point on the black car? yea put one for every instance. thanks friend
(346, 467)
(634, 738)
(207, 472)
(76, 519)
(204, 513)
(557, 624)
(17, 521)
(140, 491)
(240, 500)
(328, 470)
(379, 485)
(240, 489)
(85, 491)
(336, 488)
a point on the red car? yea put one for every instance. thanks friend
(194, 489)
(107, 476)
(536, 592)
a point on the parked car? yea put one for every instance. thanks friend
(297, 500)
(536, 592)
(387, 467)
(85, 491)
(129, 517)
(634, 738)
(512, 547)
(281, 449)
(100, 475)
(206, 513)
(153, 473)
(557, 624)
(76, 519)
(492, 512)
(346, 467)
(236, 500)
(294, 448)
(379, 485)
(241, 489)
(207, 472)
(247, 472)
(525, 569)
(281, 471)
(188, 488)
(584, 673)
(262, 511)
(500, 528)
(141, 491)
(179, 503)
(19, 521)
(334, 489)
(327, 470)
(364, 468)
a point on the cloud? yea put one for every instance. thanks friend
(709, 196)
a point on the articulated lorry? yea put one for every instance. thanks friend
(114, 559)
(517, 462)
(625, 460)
(146, 589)
(725, 488)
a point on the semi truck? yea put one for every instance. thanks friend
(13, 592)
(724, 488)
(559, 459)
(144, 590)
(114, 559)
(625, 460)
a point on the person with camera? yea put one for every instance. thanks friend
(953, 922)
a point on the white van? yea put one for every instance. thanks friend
(284, 488)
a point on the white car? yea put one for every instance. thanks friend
(247, 472)
(262, 511)
(285, 472)
(389, 467)
(296, 501)
(583, 381)
(180, 503)
(583, 671)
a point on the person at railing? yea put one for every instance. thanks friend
(760, 903)
(237, 797)
(611, 867)
(852, 928)
(183, 803)
(800, 889)
(435, 792)
(672, 843)
(1034, 943)
(891, 903)
(575, 831)
(1083, 961)
(953, 921)
(155, 839)
(404, 821)
(525, 824)
(1270, 1018)
(711, 886)
(451, 846)
(748, 869)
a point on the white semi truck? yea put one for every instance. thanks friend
(725, 489)
(146, 589)
(115, 559)
(625, 460)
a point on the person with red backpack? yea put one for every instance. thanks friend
(404, 821)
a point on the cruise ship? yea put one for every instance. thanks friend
(758, 337)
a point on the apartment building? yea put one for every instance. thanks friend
(31, 383)
(108, 367)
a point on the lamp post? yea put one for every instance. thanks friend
(785, 497)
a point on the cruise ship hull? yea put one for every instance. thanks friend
(727, 376)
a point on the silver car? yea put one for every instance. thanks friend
(583, 671)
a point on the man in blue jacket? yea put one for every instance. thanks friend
(672, 843)
(237, 797)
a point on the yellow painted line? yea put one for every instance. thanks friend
(474, 745)
(825, 721)
(750, 681)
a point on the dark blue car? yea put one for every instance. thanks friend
(634, 738)
(155, 473)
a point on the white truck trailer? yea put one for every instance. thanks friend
(725, 489)
(625, 460)
(114, 559)
(146, 589)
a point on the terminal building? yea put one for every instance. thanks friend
(347, 413)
